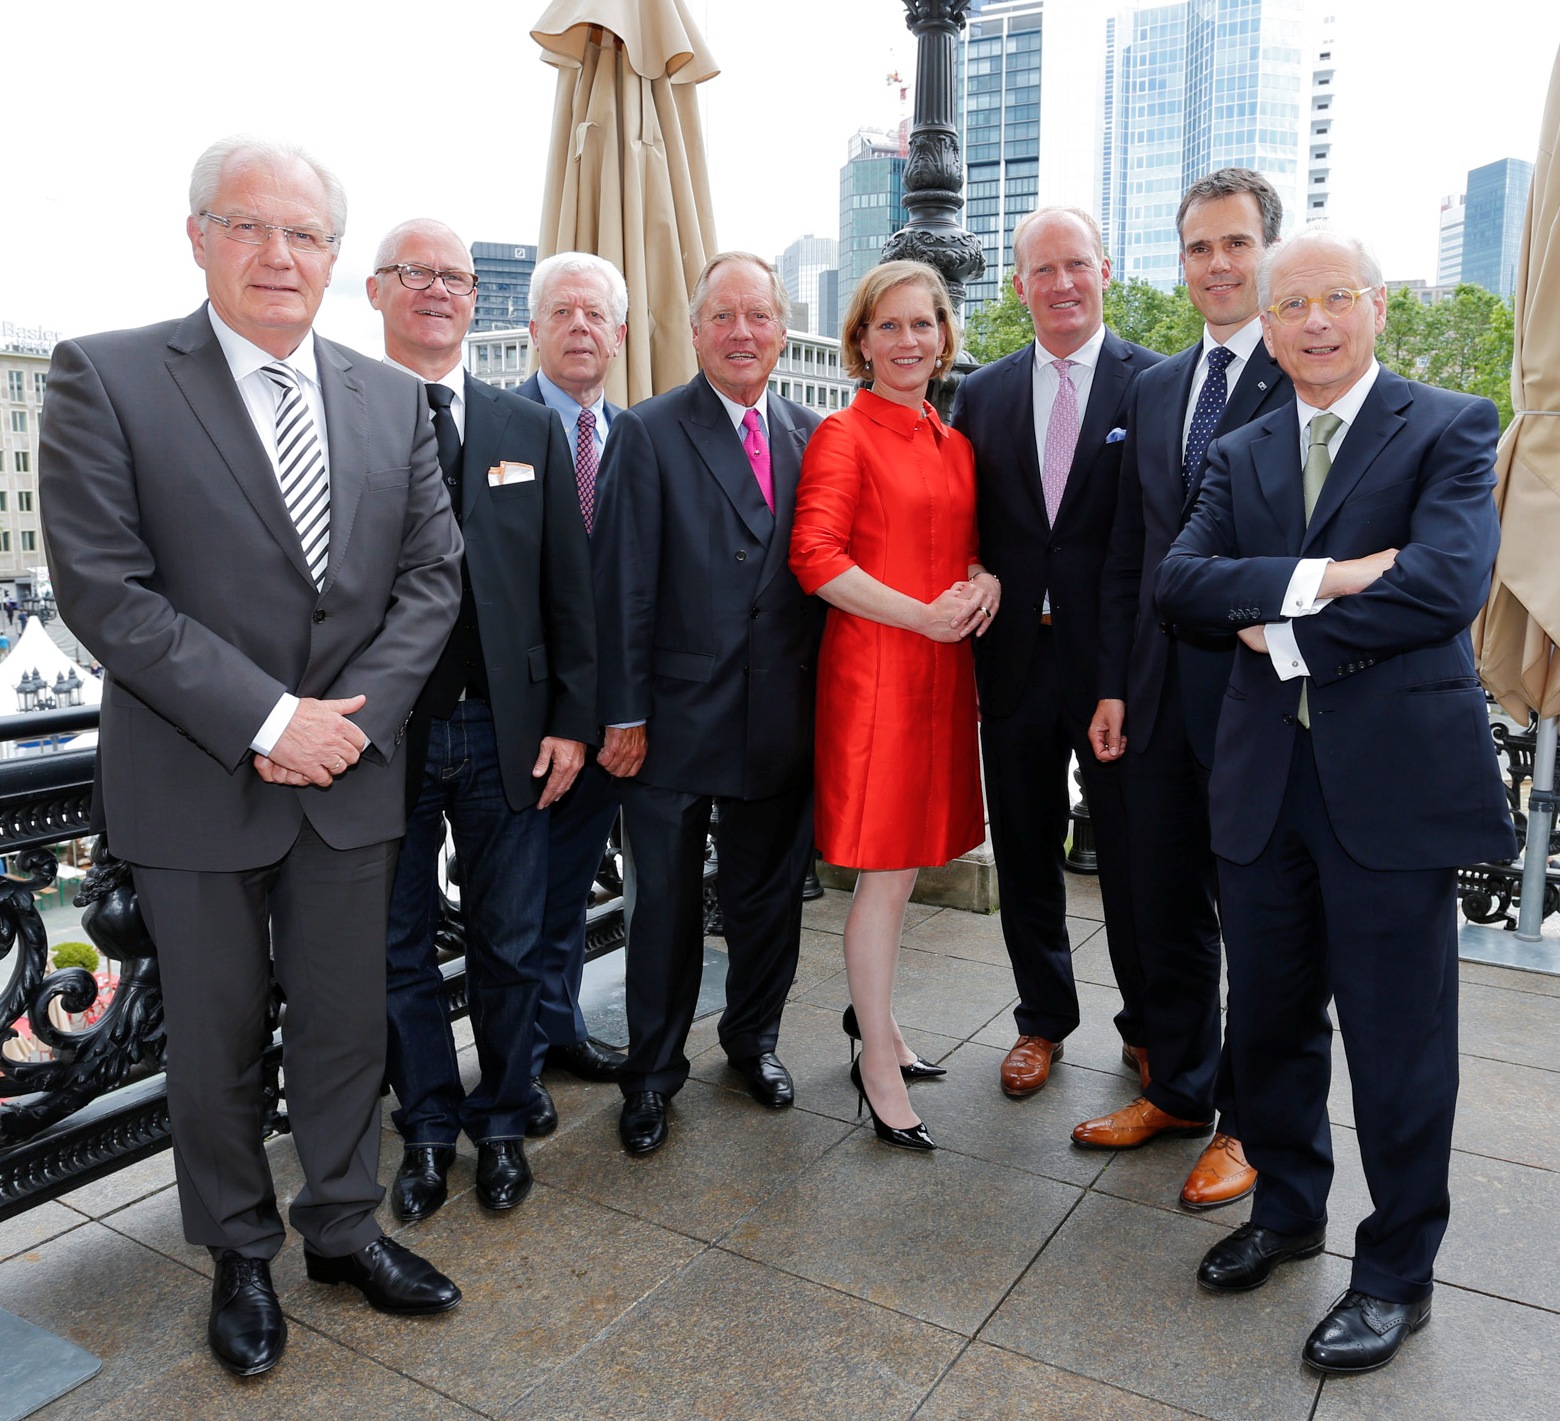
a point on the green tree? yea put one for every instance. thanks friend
(1461, 343)
(998, 328)
(1165, 321)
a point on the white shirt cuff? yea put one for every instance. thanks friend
(275, 723)
(1284, 650)
(626, 725)
(1300, 599)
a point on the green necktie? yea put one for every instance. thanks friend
(1318, 462)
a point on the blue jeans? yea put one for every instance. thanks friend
(502, 857)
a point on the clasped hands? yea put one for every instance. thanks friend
(965, 608)
(319, 745)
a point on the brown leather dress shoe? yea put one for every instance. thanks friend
(1136, 1058)
(1220, 1176)
(1027, 1066)
(1134, 1125)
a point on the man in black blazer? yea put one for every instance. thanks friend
(1353, 772)
(579, 314)
(246, 525)
(708, 671)
(1047, 427)
(499, 734)
(1160, 695)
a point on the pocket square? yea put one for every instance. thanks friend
(1115, 436)
(510, 473)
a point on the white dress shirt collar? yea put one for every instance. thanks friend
(735, 412)
(244, 357)
(1087, 354)
(1346, 407)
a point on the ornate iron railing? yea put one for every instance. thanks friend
(96, 1102)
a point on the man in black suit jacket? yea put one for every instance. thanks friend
(1047, 425)
(1353, 772)
(1160, 695)
(579, 314)
(499, 734)
(708, 673)
(245, 523)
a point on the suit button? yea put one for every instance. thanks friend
(754, 612)
(1165, 628)
(741, 554)
(319, 615)
(744, 671)
(1289, 720)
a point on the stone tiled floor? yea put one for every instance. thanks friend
(786, 1266)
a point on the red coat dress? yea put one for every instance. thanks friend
(891, 490)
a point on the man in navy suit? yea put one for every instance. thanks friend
(1047, 426)
(1347, 537)
(708, 677)
(1160, 694)
(497, 736)
(579, 314)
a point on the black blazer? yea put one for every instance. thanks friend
(704, 631)
(1398, 723)
(995, 410)
(1151, 510)
(529, 568)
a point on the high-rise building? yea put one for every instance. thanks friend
(503, 285)
(1449, 251)
(1193, 86)
(1492, 223)
(801, 264)
(24, 377)
(1323, 115)
(871, 206)
(829, 304)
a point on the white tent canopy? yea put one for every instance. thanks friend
(35, 650)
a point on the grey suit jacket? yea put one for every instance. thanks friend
(175, 561)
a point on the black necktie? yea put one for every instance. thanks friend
(447, 437)
(1210, 410)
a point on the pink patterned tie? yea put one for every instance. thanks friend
(585, 466)
(758, 452)
(1061, 439)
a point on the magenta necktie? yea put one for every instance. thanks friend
(585, 466)
(758, 452)
(1061, 439)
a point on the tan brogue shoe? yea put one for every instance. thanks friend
(1027, 1066)
(1220, 1176)
(1134, 1125)
(1136, 1058)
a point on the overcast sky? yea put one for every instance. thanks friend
(444, 110)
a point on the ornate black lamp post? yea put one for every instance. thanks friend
(934, 174)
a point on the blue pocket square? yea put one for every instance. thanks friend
(1115, 436)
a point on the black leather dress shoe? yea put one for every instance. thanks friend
(503, 1176)
(544, 1114)
(642, 1127)
(587, 1059)
(392, 1278)
(247, 1330)
(421, 1187)
(1247, 1258)
(1362, 1333)
(769, 1083)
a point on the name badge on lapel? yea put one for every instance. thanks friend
(510, 473)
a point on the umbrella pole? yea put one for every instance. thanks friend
(1541, 819)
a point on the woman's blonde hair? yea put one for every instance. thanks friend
(872, 288)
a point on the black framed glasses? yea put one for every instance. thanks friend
(420, 278)
(1292, 310)
(254, 233)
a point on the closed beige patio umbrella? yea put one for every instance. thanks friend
(1516, 634)
(626, 175)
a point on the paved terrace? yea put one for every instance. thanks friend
(787, 1266)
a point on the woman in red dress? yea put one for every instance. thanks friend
(885, 533)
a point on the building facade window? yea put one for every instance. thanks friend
(18, 421)
(23, 461)
(24, 501)
(29, 541)
(14, 385)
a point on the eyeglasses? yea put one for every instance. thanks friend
(1292, 310)
(256, 234)
(420, 278)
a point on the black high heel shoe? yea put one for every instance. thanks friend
(915, 1138)
(917, 1070)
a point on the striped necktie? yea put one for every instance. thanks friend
(300, 463)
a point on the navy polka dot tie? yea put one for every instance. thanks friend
(1205, 418)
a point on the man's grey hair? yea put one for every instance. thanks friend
(561, 264)
(701, 288)
(240, 150)
(1318, 234)
(390, 243)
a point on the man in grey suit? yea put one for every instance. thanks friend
(498, 735)
(246, 525)
(708, 650)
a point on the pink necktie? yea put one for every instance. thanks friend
(758, 452)
(585, 466)
(1061, 439)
